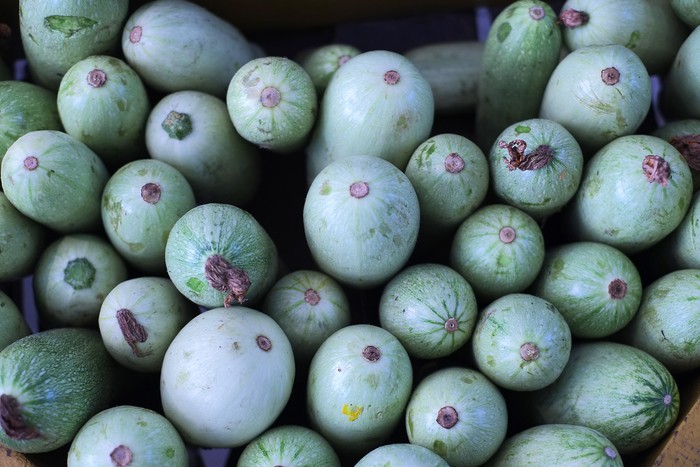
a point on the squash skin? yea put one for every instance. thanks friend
(57, 33)
(60, 377)
(361, 241)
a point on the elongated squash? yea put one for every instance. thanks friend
(521, 50)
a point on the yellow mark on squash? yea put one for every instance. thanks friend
(351, 411)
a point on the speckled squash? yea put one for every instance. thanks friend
(51, 383)
(359, 382)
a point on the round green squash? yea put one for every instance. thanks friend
(218, 255)
(359, 382)
(14, 325)
(140, 203)
(226, 377)
(401, 455)
(451, 177)
(290, 446)
(54, 179)
(272, 103)
(595, 286)
(649, 28)
(57, 33)
(73, 275)
(521, 342)
(499, 249)
(192, 131)
(619, 390)
(379, 104)
(634, 192)
(459, 414)
(535, 165)
(310, 306)
(684, 135)
(323, 61)
(22, 240)
(680, 92)
(598, 93)
(139, 318)
(128, 435)
(430, 308)
(361, 220)
(103, 102)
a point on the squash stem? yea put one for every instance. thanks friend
(13, 422)
(223, 276)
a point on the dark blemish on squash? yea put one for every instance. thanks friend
(617, 289)
(610, 76)
(359, 190)
(506, 234)
(451, 325)
(689, 147)
(135, 34)
(68, 25)
(656, 169)
(529, 352)
(12, 421)
(270, 97)
(312, 297)
(371, 353)
(263, 342)
(517, 159)
(536, 12)
(571, 18)
(177, 125)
